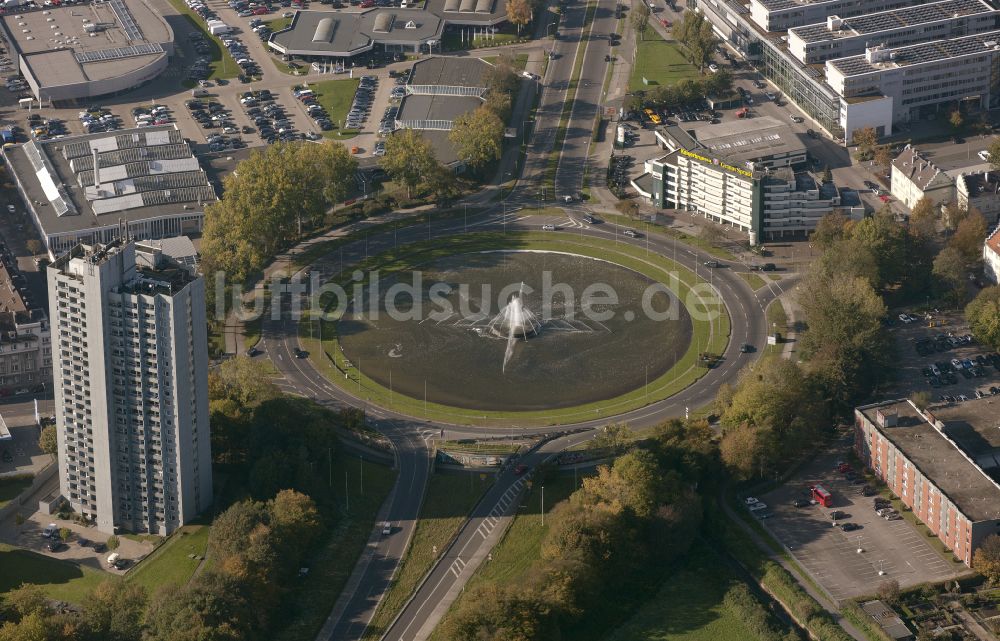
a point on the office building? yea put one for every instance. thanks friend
(79, 188)
(781, 15)
(912, 177)
(943, 463)
(131, 387)
(71, 54)
(744, 177)
(838, 37)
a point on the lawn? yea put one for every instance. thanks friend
(329, 568)
(59, 580)
(661, 63)
(776, 318)
(221, 62)
(279, 23)
(11, 486)
(449, 499)
(688, 607)
(755, 281)
(521, 546)
(519, 62)
(452, 41)
(336, 96)
(170, 564)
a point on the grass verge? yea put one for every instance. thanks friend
(706, 337)
(59, 580)
(755, 281)
(449, 499)
(690, 604)
(221, 62)
(687, 239)
(336, 96)
(519, 61)
(329, 568)
(171, 563)
(12, 486)
(661, 63)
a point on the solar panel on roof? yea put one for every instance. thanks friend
(101, 55)
(125, 20)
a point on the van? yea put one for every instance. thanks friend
(113, 558)
(198, 92)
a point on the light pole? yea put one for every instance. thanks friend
(543, 506)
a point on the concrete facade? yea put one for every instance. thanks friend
(914, 177)
(942, 463)
(980, 191)
(131, 387)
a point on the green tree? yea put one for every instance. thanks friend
(968, 239)
(269, 200)
(442, 183)
(827, 176)
(408, 158)
(830, 229)
(956, 120)
(65, 534)
(921, 399)
(478, 138)
(640, 19)
(923, 218)
(211, 608)
(614, 437)
(742, 451)
(949, 269)
(113, 543)
(114, 611)
(496, 613)
(719, 83)
(699, 40)
(983, 315)
(48, 441)
(887, 241)
(986, 559)
(27, 599)
(994, 151)
(518, 13)
(244, 381)
(295, 521)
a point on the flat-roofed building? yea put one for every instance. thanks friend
(943, 463)
(780, 15)
(147, 178)
(919, 79)
(76, 53)
(841, 37)
(913, 176)
(980, 190)
(25, 344)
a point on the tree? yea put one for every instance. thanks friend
(956, 120)
(27, 599)
(719, 83)
(865, 139)
(633, 483)
(949, 269)
(213, 607)
(921, 399)
(741, 451)
(640, 19)
(34, 246)
(244, 381)
(48, 441)
(923, 218)
(268, 201)
(497, 613)
(993, 149)
(478, 137)
(615, 437)
(113, 543)
(64, 534)
(442, 184)
(952, 215)
(295, 521)
(408, 158)
(827, 176)
(519, 13)
(114, 611)
(888, 591)
(883, 156)
(970, 234)
(695, 33)
(830, 229)
(887, 241)
(986, 560)
(983, 315)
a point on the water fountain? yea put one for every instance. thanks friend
(513, 322)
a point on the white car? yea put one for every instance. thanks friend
(757, 506)
(10, 209)
(548, 227)
(386, 528)
(750, 500)
(769, 95)
(530, 76)
(50, 530)
(713, 67)
(984, 155)
(904, 318)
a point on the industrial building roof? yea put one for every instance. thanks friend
(79, 43)
(924, 53)
(417, 108)
(143, 173)
(891, 20)
(962, 457)
(740, 142)
(450, 72)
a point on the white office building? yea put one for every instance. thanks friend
(131, 387)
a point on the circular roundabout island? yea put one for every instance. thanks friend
(522, 329)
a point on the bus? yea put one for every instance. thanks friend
(822, 497)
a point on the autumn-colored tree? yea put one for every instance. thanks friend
(969, 238)
(986, 560)
(923, 218)
(408, 158)
(478, 137)
(519, 13)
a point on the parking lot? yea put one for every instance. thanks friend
(830, 555)
(937, 355)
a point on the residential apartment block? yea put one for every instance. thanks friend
(25, 347)
(131, 387)
(980, 191)
(914, 177)
(943, 463)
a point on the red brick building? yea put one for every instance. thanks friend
(943, 463)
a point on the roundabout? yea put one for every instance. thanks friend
(521, 328)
